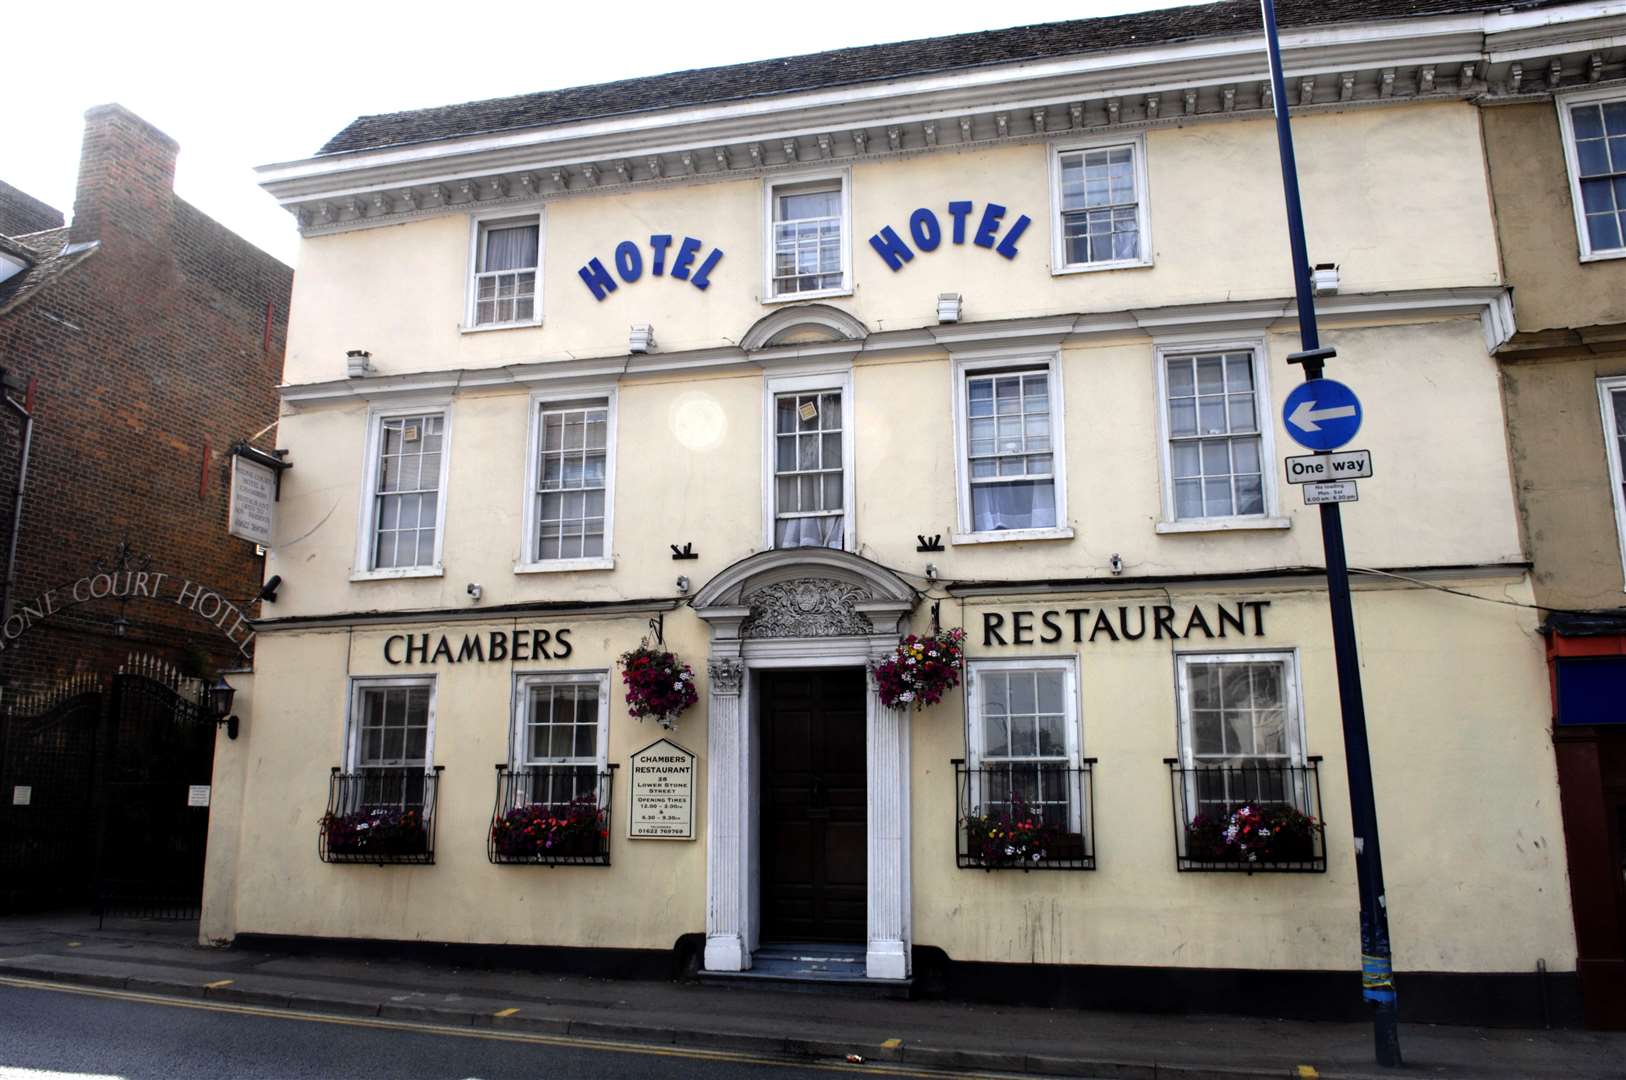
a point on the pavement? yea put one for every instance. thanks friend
(163, 961)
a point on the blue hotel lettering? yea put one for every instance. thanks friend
(629, 264)
(926, 230)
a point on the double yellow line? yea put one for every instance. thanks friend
(495, 1035)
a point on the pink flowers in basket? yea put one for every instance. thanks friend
(922, 669)
(659, 685)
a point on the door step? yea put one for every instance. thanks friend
(811, 969)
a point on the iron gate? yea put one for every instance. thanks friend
(107, 764)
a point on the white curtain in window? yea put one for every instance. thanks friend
(808, 532)
(512, 248)
(1027, 505)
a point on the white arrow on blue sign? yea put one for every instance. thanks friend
(1322, 414)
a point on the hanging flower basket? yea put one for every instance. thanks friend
(922, 669)
(659, 685)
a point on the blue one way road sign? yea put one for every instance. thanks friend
(1322, 414)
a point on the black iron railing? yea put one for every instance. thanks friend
(1259, 817)
(380, 816)
(551, 815)
(1025, 816)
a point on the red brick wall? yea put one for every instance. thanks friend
(150, 359)
(21, 213)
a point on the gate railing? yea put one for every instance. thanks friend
(380, 816)
(1264, 816)
(1025, 815)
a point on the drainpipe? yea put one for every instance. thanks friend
(24, 412)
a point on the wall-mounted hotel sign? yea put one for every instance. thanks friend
(256, 481)
(926, 230)
(1124, 622)
(629, 264)
(662, 804)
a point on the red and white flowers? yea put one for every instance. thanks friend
(921, 670)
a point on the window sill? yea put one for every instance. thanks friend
(1601, 256)
(1011, 536)
(1092, 268)
(560, 566)
(403, 572)
(1203, 525)
(527, 324)
(822, 294)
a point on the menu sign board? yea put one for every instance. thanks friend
(662, 793)
(253, 496)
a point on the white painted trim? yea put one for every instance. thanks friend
(1136, 141)
(1617, 469)
(362, 568)
(526, 563)
(478, 220)
(1572, 166)
(842, 176)
(1237, 58)
(352, 715)
(519, 698)
(1264, 411)
(1198, 322)
(965, 365)
(772, 386)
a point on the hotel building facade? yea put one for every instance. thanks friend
(767, 366)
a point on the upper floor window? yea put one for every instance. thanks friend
(403, 504)
(1216, 439)
(1612, 396)
(506, 272)
(810, 450)
(1099, 193)
(808, 238)
(569, 509)
(1008, 425)
(1594, 126)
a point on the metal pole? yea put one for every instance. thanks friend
(1377, 972)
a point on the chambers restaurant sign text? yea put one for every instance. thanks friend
(517, 645)
(1124, 622)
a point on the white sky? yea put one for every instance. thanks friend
(240, 85)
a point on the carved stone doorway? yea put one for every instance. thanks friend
(799, 609)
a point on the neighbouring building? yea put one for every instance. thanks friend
(1556, 145)
(146, 340)
(767, 365)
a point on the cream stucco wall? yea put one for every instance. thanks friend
(1217, 233)
(1456, 705)
(689, 470)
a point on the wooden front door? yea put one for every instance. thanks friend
(814, 859)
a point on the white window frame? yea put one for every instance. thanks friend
(1073, 724)
(1572, 166)
(1292, 713)
(367, 517)
(1607, 387)
(477, 223)
(519, 758)
(527, 562)
(769, 188)
(359, 684)
(840, 381)
(1271, 517)
(1143, 193)
(968, 364)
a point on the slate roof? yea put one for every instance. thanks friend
(51, 258)
(875, 63)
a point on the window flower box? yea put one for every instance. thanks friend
(379, 816)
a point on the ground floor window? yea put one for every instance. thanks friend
(1240, 729)
(389, 744)
(560, 733)
(1023, 739)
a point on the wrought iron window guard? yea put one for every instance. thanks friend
(1275, 808)
(380, 816)
(531, 824)
(1025, 816)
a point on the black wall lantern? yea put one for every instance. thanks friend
(220, 697)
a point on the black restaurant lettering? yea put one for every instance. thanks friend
(1130, 623)
(494, 645)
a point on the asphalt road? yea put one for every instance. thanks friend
(96, 1035)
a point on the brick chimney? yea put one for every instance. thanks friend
(126, 179)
